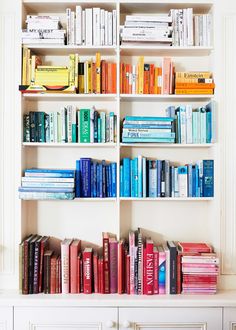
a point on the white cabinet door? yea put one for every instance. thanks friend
(65, 318)
(229, 318)
(170, 318)
(6, 318)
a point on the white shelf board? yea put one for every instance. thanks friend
(69, 145)
(156, 97)
(71, 49)
(166, 145)
(165, 199)
(75, 200)
(152, 50)
(72, 97)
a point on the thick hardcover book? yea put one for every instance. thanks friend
(43, 247)
(101, 275)
(113, 260)
(74, 251)
(195, 247)
(85, 164)
(208, 178)
(84, 125)
(113, 179)
(95, 272)
(25, 275)
(87, 270)
(173, 267)
(47, 270)
(77, 179)
(31, 263)
(106, 264)
(140, 262)
(53, 274)
(149, 268)
(65, 261)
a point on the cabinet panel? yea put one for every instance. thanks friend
(6, 318)
(170, 318)
(65, 318)
(229, 318)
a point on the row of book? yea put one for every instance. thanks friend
(133, 266)
(70, 125)
(148, 129)
(193, 125)
(141, 177)
(91, 27)
(43, 30)
(145, 78)
(83, 77)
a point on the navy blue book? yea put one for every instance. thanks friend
(163, 185)
(208, 178)
(104, 192)
(77, 179)
(113, 179)
(173, 267)
(194, 173)
(85, 164)
(94, 179)
(100, 180)
(107, 180)
(97, 181)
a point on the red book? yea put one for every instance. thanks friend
(101, 274)
(81, 275)
(25, 286)
(53, 274)
(43, 247)
(156, 270)
(121, 269)
(78, 273)
(149, 267)
(106, 263)
(151, 88)
(195, 247)
(88, 270)
(95, 272)
(127, 277)
(74, 251)
(113, 262)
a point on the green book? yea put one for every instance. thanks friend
(84, 125)
(41, 126)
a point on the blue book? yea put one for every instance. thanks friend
(197, 181)
(50, 173)
(135, 163)
(43, 189)
(47, 130)
(163, 184)
(176, 182)
(49, 170)
(85, 164)
(113, 179)
(147, 126)
(190, 180)
(121, 181)
(126, 169)
(77, 179)
(110, 179)
(211, 122)
(147, 140)
(107, 180)
(158, 178)
(100, 180)
(141, 118)
(138, 134)
(178, 126)
(194, 193)
(203, 125)
(208, 178)
(200, 177)
(152, 169)
(94, 180)
(104, 192)
(132, 178)
(170, 111)
(99, 130)
(167, 178)
(97, 182)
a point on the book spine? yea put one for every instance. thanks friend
(85, 164)
(87, 272)
(46, 273)
(162, 273)
(132, 262)
(53, 266)
(113, 255)
(65, 270)
(106, 265)
(84, 125)
(208, 178)
(36, 267)
(149, 269)
(73, 268)
(95, 273)
(173, 268)
(156, 263)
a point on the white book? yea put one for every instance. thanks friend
(78, 25)
(182, 113)
(34, 18)
(63, 124)
(55, 127)
(146, 24)
(83, 28)
(209, 29)
(136, 31)
(183, 181)
(185, 28)
(133, 79)
(69, 123)
(55, 34)
(42, 26)
(190, 26)
(144, 167)
(180, 27)
(176, 192)
(65, 265)
(72, 19)
(43, 41)
(114, 27)
(147, 18)
(196, 31)
(102, 30)
(204, 28)
(110, 29)
(68, 25)
(189, 125)
(33, 34)
(45, 179)
(106, 27)
(167, 277)
(89, 26)
(92, 124)
(200, 30)
(96, 27)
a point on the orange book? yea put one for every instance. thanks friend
(166, 71)
(113, 76)
(194, 80)
(109, 78)
(74, 251)
(155, 80)
(193, 91)
(152, 74)
(126, 86)
(193, 75)
(53, 267)
(94, 78)
(194, 85)
(146, 79)
(104, 76)
(98, 73)
(121, 77)
(159, 81)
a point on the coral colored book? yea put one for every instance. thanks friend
(194, 85)
(166, 72)
(65, 264)
(195, 247)
(106, 262)
(53, 269)
(74, 251)
(95, 272)
(87, 270)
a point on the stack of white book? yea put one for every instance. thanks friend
(145, 28)
(43, 30)
(91, 27)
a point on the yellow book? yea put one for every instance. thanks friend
(51, 67)
(193, 74)
(72, 70)
(193, 91)
(140, 74)
(98, 73)
(76, 70)
(29, 71)
(24, 64)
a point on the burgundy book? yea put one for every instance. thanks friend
(37, 264)
(101, 274)
(106, 262)
(156, 266)
(43, 247)
(25, 286)
(88, 270)
(53, 268)
(47, 270)
(149, 267)
(113, 261)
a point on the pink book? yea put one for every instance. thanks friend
(132, 261)
(87, 270)
(156, 263)
(113, 255)
(65, 265)
(78, 273)
(166, 67)
(149, 267)
(74, 251)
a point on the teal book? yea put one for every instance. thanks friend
(74, 126)
(103, 127)
(85, 125)
(41, 126)
(203, 125)
(99, 130)
(148, 140)
(135, 164)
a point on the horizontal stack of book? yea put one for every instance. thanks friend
(95, 179)
(43, 30)
(86, 77)
(200, 268)
(148, 129)
(191, 82)
(136, 266)
(193, 125)
(141, 177)
(70, 125)
(144, 28)
(41, 183)
(146, 78)
(91, 27)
